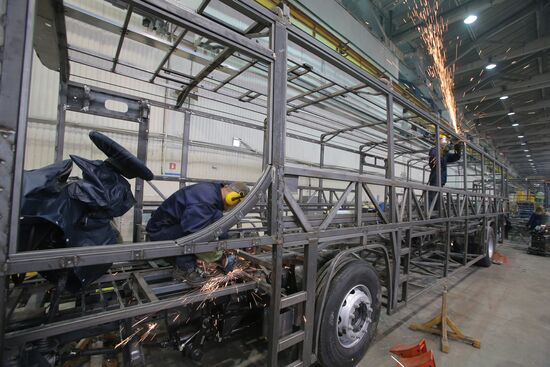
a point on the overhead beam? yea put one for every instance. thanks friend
(505, 71)
(493, 31)
(528, 139)
(540, 150)
(534, 83)
(409, 33)
(509, 143)
(218, 61)
(522, 124)
(528, 108)
(202, 7)
(540, 44)
(82, 15)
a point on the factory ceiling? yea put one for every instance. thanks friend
(502, 68)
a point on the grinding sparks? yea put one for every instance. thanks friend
(223, 280)
(150, 327)
(126, 340)
(431, 32)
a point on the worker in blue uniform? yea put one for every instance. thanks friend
(537, 218)
(446, 157)
(189, 210)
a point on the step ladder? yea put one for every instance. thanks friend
(305, 298)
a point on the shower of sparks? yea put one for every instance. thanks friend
(150, 327)
(146, 332)
(223, 280)
(126, 340)
(140, 321)
(431, 32)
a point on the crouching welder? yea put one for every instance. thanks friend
(445, 157)
(189, 210)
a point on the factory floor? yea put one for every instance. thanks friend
(506, 306)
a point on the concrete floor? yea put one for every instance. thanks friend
(506, 306)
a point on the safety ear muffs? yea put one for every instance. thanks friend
(233, 198)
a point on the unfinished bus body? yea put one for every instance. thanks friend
(338, 226)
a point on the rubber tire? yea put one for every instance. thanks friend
(331, 352)
(491, 238)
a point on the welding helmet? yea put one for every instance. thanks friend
(238, 191)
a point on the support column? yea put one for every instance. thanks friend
(143, 141)
(15, 65)
(321, 193)
(392, 201)
(483, 198)
(61, 113)
(185, 147)
(438, 168)
(466, 211)
(277, 131)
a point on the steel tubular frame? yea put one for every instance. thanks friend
(396, 223)
(14, 97)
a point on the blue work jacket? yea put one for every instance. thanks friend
(446, 158)
(536, 220)
(187, 211)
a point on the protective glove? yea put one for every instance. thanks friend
(458, 148)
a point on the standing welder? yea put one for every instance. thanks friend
(445, 157)
(189, 210)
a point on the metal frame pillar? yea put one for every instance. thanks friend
(392, 200)
(466, 205)
(277, 133)
(484, 199)
(16, 64)
(61, 114)
(143, 142)
(184, 163)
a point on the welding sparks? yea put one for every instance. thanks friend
(431, 32)
(139, 322)
(150, 327)
(126, 340)
(223, 280)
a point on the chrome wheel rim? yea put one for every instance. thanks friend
(354, 316)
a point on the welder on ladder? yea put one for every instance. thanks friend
(445, 157)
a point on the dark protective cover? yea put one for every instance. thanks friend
(124, 162)
(58, 212)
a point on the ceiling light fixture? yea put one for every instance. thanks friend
(490, 66)
(504, 97)
(515, 124)
(511, 113)
(470, 19)
(522, 143)
(528, 155)
(520, 136)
